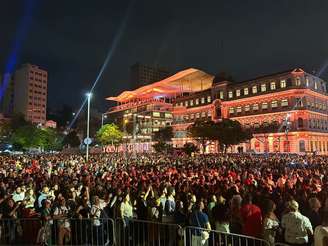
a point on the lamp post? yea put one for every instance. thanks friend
(88, 126)
(103, 116)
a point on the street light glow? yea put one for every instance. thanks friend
(89, 95)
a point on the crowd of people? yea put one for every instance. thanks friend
(274, 197)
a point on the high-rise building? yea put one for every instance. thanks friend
(30, 93)
(6, 95)
(141, 75)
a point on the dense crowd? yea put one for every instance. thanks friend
(274, 197)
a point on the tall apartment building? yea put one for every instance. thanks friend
(6, 95)
(141, 75)
(30, 93)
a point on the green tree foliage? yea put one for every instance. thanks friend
(162, 147)
(202, 131)
(109, 134)
(72, 139)
(164, 134)
(30, 136)
(230, 132)
(189, 148)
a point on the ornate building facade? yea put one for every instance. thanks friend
(288, 111)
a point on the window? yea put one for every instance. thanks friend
(186, 117)
(197, 101)
(247, 108)
(263, 87)
(209, 113)
(300, 122)
(307, 82)
(168, 115)
(254, 89)
(192, 116)
(202, 100)
(298, 81)
(315, 85)
(282, 83)
(197, 115)
(237, 93)
(274, 104)
(186, 103)
(255, 106)
(245, 91)
(221, 95)
(191, 103)
(203, 114)
(273, 85)
(264, 105)
(284, 102)
(156, 114)
(231, 110)
(230, 94)
(209, 99)
(238, 109)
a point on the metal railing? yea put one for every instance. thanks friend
(105, 231)
(196, 236)
(147, 233)
(73, 231)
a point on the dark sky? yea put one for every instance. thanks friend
(246, 38)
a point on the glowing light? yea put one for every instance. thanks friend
(108, 58)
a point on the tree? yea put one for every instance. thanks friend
(230, 132)
(110, 134)
(162, 147)
(202, 131)
(164, 134)
(189, 148)
(72, 139)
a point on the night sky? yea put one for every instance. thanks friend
(71, 39)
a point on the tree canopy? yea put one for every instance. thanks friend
(164, 134)
(109, 134)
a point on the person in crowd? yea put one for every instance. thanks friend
(297, 227)
(221, 216)
(321, 232)
(200, 219)
(270, 222)
(60, 214)
(251, 217)
(126, 209)
(313, 212)
(97, 228)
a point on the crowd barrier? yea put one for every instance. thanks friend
(107, 232)
(195, 236)
(34, 231)
(147, 233)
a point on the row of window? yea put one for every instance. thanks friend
(318, 146)
(196, 101)
(318, 124)
(256, 106)
(194, 116)
(254, 89)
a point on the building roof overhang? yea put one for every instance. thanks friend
(189, 80)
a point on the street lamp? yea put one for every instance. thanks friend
(103, 116)
(89, 95)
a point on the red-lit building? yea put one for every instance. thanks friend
(293, 102)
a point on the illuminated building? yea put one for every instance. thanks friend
(293, 102)
(25, 92)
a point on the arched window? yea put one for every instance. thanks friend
(302, 146)
(300, 122)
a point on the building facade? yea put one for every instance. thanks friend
(288, 111)
(141, 75)
(30, 93)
